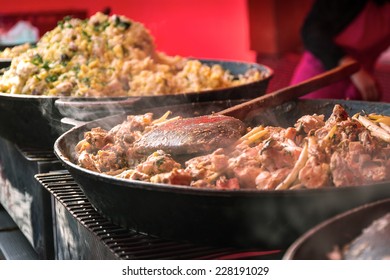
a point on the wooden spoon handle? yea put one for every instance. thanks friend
(278, 97)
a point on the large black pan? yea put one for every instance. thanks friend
(319, 242)
(268, 219)
(35, 121)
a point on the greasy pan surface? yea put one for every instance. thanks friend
(267, 219)
(35, 121)
(320, 241)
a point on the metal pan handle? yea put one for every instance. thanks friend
(72, 122)
(96, 103)
(89, 109)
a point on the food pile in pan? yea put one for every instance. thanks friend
(11, 52)
(108, 56)
(314, 153)
(371, 244)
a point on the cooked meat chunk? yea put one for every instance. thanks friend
(278, 155)
(107, 151)
(131, 129)
(109, 159)
(310, 122)
(246, 175)
(156, 163)
(85, 160)
(269, 180)
(208, 167)
(339, 114)
(315, 173)
(227, 184)
(134, 175)
(356, 166)
(94, 140)
(174, 177)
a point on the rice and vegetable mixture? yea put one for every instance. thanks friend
(108, 56)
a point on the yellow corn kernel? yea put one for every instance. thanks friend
(42, 75)
(93, 63)
(118, 51)
(84, 68)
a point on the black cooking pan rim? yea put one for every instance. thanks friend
(292, 251)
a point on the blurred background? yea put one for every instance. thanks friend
(265, 31)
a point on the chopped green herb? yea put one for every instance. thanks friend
(37, 59)
(61, 24)
(86, 81)
(121, 23)
(76, 68)
(51, 78)
(101, 26)
(160, 161)
(46, 65)
(86, 35)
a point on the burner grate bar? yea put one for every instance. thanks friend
(37, 154)
(102, 228)
(123, 243)
(114, 232)
(113, 240)
(97, 220)
(179, 253)
(141, 244)
(69, 196)
(89, 216)
(163, 247)
(82, 209)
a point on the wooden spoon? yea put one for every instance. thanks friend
(206, 133)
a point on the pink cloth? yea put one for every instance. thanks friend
(365, 39)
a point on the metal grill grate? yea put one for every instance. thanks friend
(127, 244)
(34, 154)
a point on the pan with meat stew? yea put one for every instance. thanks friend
(274, 182)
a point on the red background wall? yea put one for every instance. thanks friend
(197, 28)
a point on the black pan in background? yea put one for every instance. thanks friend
(87, 109)
(338, 231)
(5, 62)
(243, 218)
(35, 121)
(29, 121)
